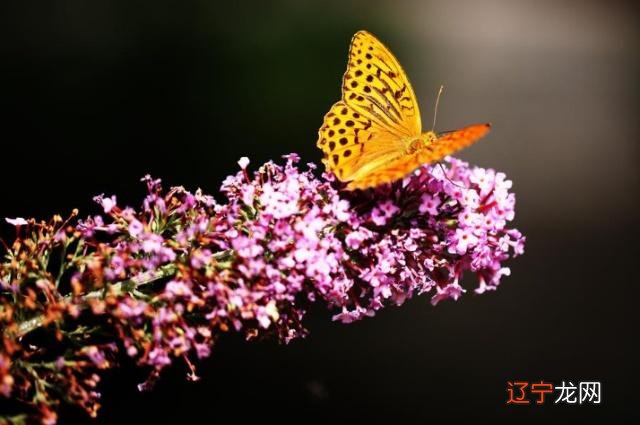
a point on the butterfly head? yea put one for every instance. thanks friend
(419, 143)
(429, 137)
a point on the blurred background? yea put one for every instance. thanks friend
(97, 94)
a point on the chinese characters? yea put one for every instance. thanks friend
(523, 392)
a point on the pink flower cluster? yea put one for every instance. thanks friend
(166, 280)
(361, 250)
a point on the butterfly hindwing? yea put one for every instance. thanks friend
(350, 141)
(397, 167)
(394, 169)
(452, 141)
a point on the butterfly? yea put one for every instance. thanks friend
(373, 135)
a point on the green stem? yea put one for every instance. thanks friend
(19, 419)
(126, 286)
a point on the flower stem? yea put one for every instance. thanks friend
(129, 285)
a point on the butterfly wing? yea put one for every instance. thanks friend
(353, 144)
(376, 86)
(365, 135)
(378, 111)
(392, 169)
(452, 141)
(400, 166)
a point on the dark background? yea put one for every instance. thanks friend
(97, 94)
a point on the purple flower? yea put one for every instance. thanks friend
(429, 204)
(135, 228)
(96, 356)
(393, 241)
(18, 221)
(107, 203)
(383, 212)
(174, 274)
(177, 289)
(453, 290)
(463, 239)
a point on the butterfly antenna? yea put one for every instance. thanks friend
(444, 173)
(435, 110)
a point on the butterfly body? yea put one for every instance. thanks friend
(425, 141)
(373, 135)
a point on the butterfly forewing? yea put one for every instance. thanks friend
(367, 128)
(376, 86)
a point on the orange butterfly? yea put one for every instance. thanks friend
(373, 135)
